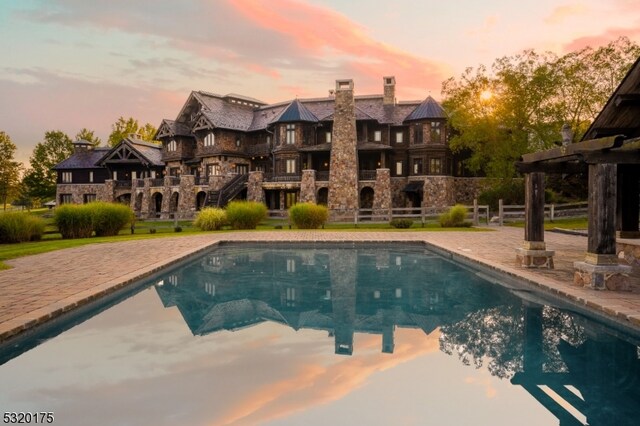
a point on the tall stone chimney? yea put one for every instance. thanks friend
(389, 84)
(343, 173)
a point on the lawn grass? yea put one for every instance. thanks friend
(52, 240)
(568, 223)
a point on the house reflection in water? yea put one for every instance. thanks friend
(579, 370)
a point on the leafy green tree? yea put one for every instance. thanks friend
(124, 127)
(89, 136)
(41, 178)
(9, 170)
(521, 103)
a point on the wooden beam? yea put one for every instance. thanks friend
(552, 167)
(613, 157)
(571, 150)
(632, 99)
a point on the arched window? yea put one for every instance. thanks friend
(210, 139)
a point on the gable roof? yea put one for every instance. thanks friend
(429, 108)
(172, 128)
(296, 112)
(132, 149)
(621, 113)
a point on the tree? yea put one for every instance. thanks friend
(9, 170)
(124, 127)
(89, 136)
(521, 104)
(41, 178)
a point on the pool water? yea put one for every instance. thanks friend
(316, 335)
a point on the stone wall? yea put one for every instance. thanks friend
(78, 191)
(629, 251)
(308, 186)
(187, 197)
(382, 192)
(467, 188)
(254, 187)
(438, 191)
(398, 197)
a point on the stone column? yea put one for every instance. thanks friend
(343, 175)
(438, 191)
(187, 197)
(144, 208)
(108, 194)
(382, 192)
(342, 272)
(166, 198)
(308, 187)
(533, 253)
(254, 187)
(600, 269)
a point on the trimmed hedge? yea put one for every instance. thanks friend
(210, 219)
(308, 215)
(455, 217)
(81, 221)
(245, 214)
(401, 223)
(20, 227)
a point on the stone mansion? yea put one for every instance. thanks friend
(345, 151)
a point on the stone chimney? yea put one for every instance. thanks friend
(389, 97)
(343, 173)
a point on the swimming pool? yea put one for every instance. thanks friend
(317, 334)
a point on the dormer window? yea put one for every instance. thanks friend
(210, 139)
(172, 146)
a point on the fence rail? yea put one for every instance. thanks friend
(515, 212)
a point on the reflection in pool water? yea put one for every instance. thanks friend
(269, 322)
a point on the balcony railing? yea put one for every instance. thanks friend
(174, 180)
(139, 182)
(322, 176)
(367, 175)
(157, 182)
(123, 184)
(202, 180)
(282, 178)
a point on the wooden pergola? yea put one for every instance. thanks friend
(610, 154)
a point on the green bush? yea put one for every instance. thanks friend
(308, 215)
(510, 191)
(20, 227)
(73, 221)
(401, 223)
(245, 214)
(211, 219)
(455, 217)
(109, 218)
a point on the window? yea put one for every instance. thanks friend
(242, 169)
(435, 166)
(66, 177)
(377, 136)
(417, 134)
(115, 175)
(88, 198)
(153, 174)
(328, 137)
(291, 265)
(238, 143)
(290, 199)
(399, 137)
(134, 175)
(417, 166)
(213, 169)
(174, 171)
(172, 146)
(210, 288)
(268, 140)
(210, 139)
(399, 167)
(90, 177)
(290, 166)
(66, 199)
(435, 132)
(291, 134)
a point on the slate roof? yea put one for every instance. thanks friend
(176, 128)
(427, 109)
(296, 112)
(83, 160)
(150, 151)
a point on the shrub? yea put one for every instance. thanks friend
(211, 219)
(20, 227)
(511, 192)
(177, 229)
(109, 218)
(152, 230)
(73, 221)
(455, 217)
(245, 214)
(308, 215)
(401, 223)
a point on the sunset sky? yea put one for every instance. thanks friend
(68, 64)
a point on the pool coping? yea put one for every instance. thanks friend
(619, 316)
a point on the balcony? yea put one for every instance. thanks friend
(202, 180)
(157, 182)
(367, 175)
(123, 184)
(322, 176)
(282, 178)
(174, 181)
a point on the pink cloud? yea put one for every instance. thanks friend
(603, 38)
(563, 12)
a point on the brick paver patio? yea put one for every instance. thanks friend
(43, 286)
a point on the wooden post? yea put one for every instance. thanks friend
(534, 210)
(500, 212)
(552, 213)
(628, 202)
(601, 244)
(475, 212)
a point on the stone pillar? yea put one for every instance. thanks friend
(533, 253)
(343, 175)
(108, 194)
(166, 198)
(389, 85)
(254, 187)
(342, 273)
(382, 192)
(308, 187)
(628, 200)
(600, 269)
(187, 197)
(282, 200)
(144, 208)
